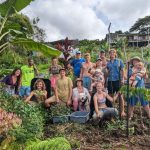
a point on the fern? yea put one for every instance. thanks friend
(58, 143)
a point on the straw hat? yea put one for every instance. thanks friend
(135, 58)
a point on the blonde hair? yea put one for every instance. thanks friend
(38, 81)
(87, 54)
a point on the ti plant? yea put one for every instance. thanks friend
(8, 120)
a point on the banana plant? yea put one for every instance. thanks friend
(12, 36)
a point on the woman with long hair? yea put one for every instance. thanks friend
(12, 82)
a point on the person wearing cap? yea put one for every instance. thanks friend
(76, 64)
(115, 76)
(85, 74)
(63, 90)
(81, 97)
(133, 100)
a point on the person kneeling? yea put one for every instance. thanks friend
(63, 90)
(81, 97)
(101, 110)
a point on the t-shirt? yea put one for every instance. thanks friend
(63, 88)
(77, 64)
(55, 69)
(27, 75)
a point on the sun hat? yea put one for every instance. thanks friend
(135, 58)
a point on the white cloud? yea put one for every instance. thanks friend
(123, 13)
(67, 18)
(86, 18)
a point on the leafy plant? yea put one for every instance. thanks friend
(8, 121)
(59, 143)
(136, 92)
(13, 36)
(33, 118)
(59, 110)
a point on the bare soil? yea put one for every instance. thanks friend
(91, 136)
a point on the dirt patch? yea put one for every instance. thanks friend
(111, 136)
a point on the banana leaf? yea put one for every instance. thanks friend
(36, 46)
(17, 4)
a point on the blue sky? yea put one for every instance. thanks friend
(85, 19)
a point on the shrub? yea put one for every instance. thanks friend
(32, 118)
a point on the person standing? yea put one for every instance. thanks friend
(103, 58)
(133, 100)
(63, 90)
(28, 73)
(77, 64)
(115, 76)
(85, 74)
(54, 71)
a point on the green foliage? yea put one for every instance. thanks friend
(17, 4)
(59, 110)
(136, 92)
(141, 25)
(36, 46)
(58, 143)
(32, 118)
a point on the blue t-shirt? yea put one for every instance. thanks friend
(113, 69)
(77, 64)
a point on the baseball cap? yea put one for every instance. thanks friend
(78, 52)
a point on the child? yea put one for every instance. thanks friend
(137, 73)
(54, 71)
(101, 110)
(97, 76)
(39, 92)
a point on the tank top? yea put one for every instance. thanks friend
(101, 100)
(39, 95)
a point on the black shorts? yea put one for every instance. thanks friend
(113, 86)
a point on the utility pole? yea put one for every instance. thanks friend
(109, 35)
(148, 36)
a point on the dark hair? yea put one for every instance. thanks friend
(54, 58)
(29, 59)
(18, 78)
(78, 81)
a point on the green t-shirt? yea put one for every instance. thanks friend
(27, 75)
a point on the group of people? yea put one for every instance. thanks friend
(95, 86)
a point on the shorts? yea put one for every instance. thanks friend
(106, 112)
(10, 90)
(133, 100)
(87, 81)
(113, 86)
(24, 91)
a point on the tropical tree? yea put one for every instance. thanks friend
(141, 25)
(13, 34)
